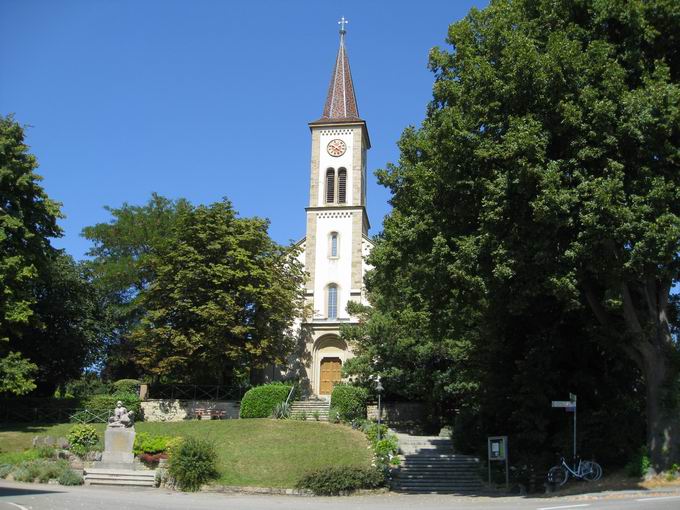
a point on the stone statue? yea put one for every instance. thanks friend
(121, 417)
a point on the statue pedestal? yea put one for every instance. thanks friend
(118, 444)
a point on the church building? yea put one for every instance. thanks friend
(336, 243)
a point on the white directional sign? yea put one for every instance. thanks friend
(563, 403)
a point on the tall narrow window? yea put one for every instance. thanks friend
(334, 244)
(342, 186)
(330, 186)
(332, 301)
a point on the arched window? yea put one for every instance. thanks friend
(342, 186)
(334, 244)
(330, 186)
(332, 301)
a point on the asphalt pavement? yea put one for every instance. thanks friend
(24, 496)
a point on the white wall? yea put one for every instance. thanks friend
(327, 161)
(333, 270)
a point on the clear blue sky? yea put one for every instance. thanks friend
(205, 99)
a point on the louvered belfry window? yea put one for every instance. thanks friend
(330, 186)
(342, 186)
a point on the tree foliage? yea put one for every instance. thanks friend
(223, 298)
(70, 321)
(538, 206)
(121, 265)
(28, 218)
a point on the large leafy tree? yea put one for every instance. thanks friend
(28, 219)
(544, 181)
(121, 267)
(71, 321)
(222, 300)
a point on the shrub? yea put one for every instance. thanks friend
(126, 386)
(5, 469)
(103, 404)
(259, 402)
(349, 402)
(70, 477)
(371, 430)
(48, 470)
(150, 443)
(45, 452)
(40, 469)
(82, 436)
(333, 481)
(638, 466)
(333, 415)
(21, 474)
(173, 445)
(193, 463)
(316, 415)
(282, 411)
(386, 448)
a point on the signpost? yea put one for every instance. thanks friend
(497, 447)
(570, 407)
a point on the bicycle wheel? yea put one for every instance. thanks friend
(558, 475)
(591, 470)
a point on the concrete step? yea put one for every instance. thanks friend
(419, 484)
(436, 483)
(430, 465)
(126, 477)
(310, 408)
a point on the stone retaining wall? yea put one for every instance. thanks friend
(394, 413)
(178, 410)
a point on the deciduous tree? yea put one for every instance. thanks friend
(223, 298)
(28, 219)
(545, 177)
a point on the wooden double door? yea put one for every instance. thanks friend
(329, 375)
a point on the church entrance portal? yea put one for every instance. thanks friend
(330, 374)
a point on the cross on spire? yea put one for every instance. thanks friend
(342, 24)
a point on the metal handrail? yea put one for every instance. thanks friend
(290, 393)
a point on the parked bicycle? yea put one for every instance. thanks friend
(588, 470)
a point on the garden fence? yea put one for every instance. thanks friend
(195, 392)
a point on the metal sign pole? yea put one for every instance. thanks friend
(572, 397)
(507, 471)
(574, 433)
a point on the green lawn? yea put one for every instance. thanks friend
(257, 452)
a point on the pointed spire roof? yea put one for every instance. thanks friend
(341, 103)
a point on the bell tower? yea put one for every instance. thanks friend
(336, 241)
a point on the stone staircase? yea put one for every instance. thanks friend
(309, 408)
(125, 477)
(429, 465)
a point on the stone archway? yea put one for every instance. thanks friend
(329, 354)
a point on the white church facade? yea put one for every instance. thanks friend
(336, 243)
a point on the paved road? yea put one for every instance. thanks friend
(16, 496)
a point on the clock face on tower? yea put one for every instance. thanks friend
(336, 148)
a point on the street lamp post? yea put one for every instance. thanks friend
(379, 388)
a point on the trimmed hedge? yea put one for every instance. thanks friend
(259, 402)
(102, 404)
(126, 386)
(349, 402)
(337, 480)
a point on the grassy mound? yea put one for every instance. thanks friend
(258, 452)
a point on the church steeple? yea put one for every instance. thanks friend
(341, 103)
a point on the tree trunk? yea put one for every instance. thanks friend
(662, 423)
(651, 351)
